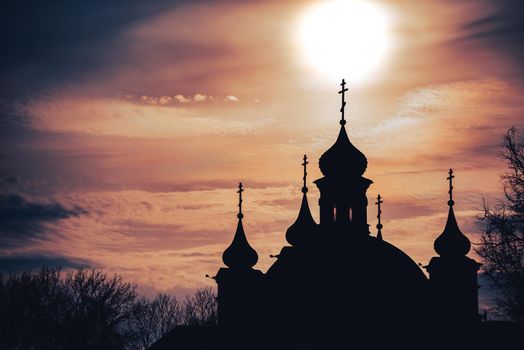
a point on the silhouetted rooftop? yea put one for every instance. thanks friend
(343, 160)
(239, 254)
(452, 241)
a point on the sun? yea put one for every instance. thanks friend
(345, 39)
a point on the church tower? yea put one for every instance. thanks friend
(303, 231)
(239, 284)
(343, 202)
(452, 275)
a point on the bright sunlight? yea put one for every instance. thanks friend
(345, 39)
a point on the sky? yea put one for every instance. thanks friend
(126, 125)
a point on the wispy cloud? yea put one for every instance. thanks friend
(173, 100)
(35, 261)
(231, 98)
(22, 220)
(117, 117)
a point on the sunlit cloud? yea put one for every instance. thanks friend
(231, 98)
(201, 98)
(123, 118)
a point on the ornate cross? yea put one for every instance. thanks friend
(240, 190)
(379, 224)
(378, 203)
(450, 178)
(305, 173)
(344, 89)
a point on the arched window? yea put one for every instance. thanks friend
(350, 214)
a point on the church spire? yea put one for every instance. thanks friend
(239, 254)
(452, 241)
(379, 213)
(304, 227)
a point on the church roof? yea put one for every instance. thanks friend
(452, 241)
(343, 160)
(374, 266)
(240, 254)
(304, 227)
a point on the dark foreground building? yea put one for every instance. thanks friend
(336, 284)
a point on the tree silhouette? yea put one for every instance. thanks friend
(502, 242)
(155, 318)
(201, 308)
(79, 310)
(87, 309)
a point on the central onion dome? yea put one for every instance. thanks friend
(343, 159)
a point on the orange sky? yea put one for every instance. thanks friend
(150, 130)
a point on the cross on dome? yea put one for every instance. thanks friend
(304, 229)
(239, 254)
(343, 91)
(379, 224)
(450, 178)
(452, 241)
(240, 190)
(304, 164)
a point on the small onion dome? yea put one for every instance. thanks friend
(452, 241)
(343, 159)
(239, 254)
(304, 227)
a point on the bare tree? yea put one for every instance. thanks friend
(155, 318)
(81, 310)
(201, 308)
(87, 309)
(30, 310)
(502, 242)
(101, 305)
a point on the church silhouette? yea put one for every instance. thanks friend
(336, 272)
(336, 284)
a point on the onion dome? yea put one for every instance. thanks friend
(302, 230)
(343, 159)
(239, 254)
(304, 227)
(452, 241)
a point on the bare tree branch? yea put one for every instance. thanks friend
(502, 241)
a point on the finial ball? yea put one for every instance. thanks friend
(304, 190)
(379, 226)
(240, 215)
(451, 202)
(342, 122)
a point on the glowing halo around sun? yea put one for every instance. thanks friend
(345, 39)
